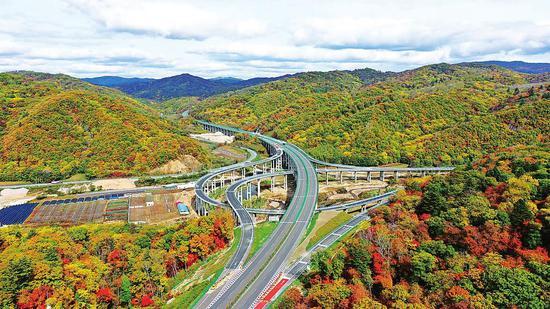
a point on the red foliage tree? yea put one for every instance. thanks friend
(35, 298)
(147, 301)
(105, 295)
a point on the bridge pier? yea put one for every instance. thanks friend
(259, 187)
(382, 178)
(272, 183)
(341, 177)
(286, 183)
(369, 176)
(326, 178)
(354, 176)
(396, 175)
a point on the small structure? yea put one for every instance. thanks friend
(149, 200)
(182, 208)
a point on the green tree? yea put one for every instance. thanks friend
(422, 263)
(507, 288)
(521, 213)
(15, 277)
(125, 293)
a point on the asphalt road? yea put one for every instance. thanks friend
(247, 223)
(243, 290)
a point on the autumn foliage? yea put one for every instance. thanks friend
(103, 265)
(465, 240)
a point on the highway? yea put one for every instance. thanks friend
(246, 283)
(262, 269)
(247, 223)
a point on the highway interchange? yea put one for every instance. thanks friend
(242, 284)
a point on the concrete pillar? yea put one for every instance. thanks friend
(259, 186)
(341, 177)
(382, 176)
(326, 175)
(286, 183)
(248, 190)
(272, 183)
(369, 175)
(232, 176)
(244, 172)
(396, 175)
(355, 176)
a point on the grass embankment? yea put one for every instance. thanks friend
(328, 227)
(262, 231)
(206, 274)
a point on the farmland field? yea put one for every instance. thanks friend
(68, 213)
(163, 209)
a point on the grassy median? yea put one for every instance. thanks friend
(328, 227)
(262, 231)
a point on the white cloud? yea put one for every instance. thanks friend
(246, 38)
(169, 19)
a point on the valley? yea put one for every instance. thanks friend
(248, 200)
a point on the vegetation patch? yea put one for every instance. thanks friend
(328, 227)
(262, 231)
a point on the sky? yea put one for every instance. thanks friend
(244, 39)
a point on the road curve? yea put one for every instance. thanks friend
(257, 274)
(247, 223)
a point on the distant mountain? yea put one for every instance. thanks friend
(227, 80)
(520, 66)
(183, 85)
(55, 126)
(114, 81)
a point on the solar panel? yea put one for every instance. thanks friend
(16, 214)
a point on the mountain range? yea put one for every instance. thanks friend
(187, 85)
(183, 85)
(520, 66)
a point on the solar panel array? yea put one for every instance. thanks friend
(16, 214)
(84, 199)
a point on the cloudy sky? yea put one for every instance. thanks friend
(148, 38)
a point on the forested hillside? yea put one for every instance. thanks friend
(474, 239)
(55, 126)
(434, 115)
(104, 265)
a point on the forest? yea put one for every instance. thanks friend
(477, 238)
(104, 265)
(56, 126)
(435, 115)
